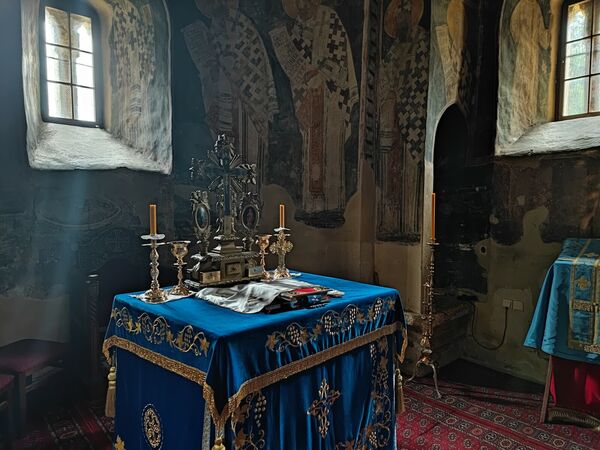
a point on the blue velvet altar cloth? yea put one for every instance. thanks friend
(306, 379)
(566, 319)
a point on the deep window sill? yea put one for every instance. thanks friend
(67, 147)
(561, 136)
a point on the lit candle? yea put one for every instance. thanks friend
(152, 219)
(281, 216)
(433, 217)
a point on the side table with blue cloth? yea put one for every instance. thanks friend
(190, 373)
(566, 322)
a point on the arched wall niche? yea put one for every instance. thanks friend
(135, 44)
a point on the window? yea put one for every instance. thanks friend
(70, 79)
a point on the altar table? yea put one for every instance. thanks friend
(566, 326)
(189, 372)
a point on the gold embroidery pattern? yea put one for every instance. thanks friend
(119, 444)
(580, 305)
(152, 426)
(583, 283)
(592, 348)
(378, 433)
(332, 322)
(246, 437)
(158, 331)
(320, 408)
(254, 384)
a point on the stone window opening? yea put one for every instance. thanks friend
(70, 64)
(579, 76)
(119, 74)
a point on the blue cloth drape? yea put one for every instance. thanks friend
(258, 375)
(566, 319)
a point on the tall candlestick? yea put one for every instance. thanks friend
(433, 217)
(281, 216)
(152, 220)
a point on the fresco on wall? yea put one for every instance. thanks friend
(525, 68)
(139, 42)
(530, 35)
(451, 37)
(237, 81)
(314, 51)
(402, 105)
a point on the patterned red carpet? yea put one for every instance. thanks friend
(469, 417)
(78, 427)
(466, 417)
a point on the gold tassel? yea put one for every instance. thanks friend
(399, 393)
(219, 444)
(111, 393)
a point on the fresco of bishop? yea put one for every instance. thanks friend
(237, 82)
(314, 51)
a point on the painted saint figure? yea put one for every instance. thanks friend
(315, 54)
(531, 36)
(451, 43)
(134, 68)
(237, 81)
(402, 105)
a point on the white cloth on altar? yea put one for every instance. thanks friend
(250, 297)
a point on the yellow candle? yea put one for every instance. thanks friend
(433, 216)
(152, 219)
(282, 216)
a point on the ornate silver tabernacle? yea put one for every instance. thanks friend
(226, 216)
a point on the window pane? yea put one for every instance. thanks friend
(57, 26)
(577, 61)
(596, 54)
(81, 32)
(596, 16)
(58, 67)
(59, 101)
(575, 97)
(57, 70)
(579, 20)
(595, 94)
(85, 106)
(83, 74)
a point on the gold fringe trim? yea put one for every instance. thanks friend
(568, 416)
(189, 372)
(254, 384)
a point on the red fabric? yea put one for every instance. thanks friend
(477, 418)
(5, 381)
(30, 354)
(576, 385)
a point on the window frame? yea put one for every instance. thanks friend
(84, 9)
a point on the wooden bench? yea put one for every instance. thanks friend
(7, 406)
(22, 359)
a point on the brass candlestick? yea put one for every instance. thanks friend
(263, 241)
(280, 248)
(179, 249)
(154, 294)
(427, 322)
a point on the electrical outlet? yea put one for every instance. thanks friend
(517, 305)
(507, 303)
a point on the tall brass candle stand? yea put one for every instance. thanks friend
(427, 321)
(179, 249)
(154, 294)
(280, 248)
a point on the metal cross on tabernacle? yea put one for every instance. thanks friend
(224, 168)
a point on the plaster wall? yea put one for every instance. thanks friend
(58, 226)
